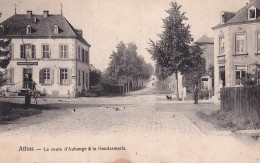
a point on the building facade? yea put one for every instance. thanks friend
(207, 44)
(46, 50)
(237, 46)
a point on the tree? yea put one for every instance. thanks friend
(197, 67)
(94, 75)
(172, 49)
(4, 59)
(126, 66)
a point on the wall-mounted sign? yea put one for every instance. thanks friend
(27, 63)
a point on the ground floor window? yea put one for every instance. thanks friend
(46, 76)
(258, 74)
(240, 74)
(9, 73)
(83, 78)
(79, 83)
(204, 83)
(64, 76)
(87, 81)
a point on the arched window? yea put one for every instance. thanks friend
(28, 29)
(55, 29)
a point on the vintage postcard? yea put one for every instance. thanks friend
(129, 81)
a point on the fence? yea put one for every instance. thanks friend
(243, 101)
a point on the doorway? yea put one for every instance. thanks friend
(222, 75)
(27, 78)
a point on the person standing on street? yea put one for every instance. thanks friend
(196, 94)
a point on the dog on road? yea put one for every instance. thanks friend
(169, 97)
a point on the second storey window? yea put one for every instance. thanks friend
(83, 53)
(221, 46)
(11, 51)
(78, 53)
(64, 76)
(240, 43)
(46, 51)
(63, 51)
(27, 51)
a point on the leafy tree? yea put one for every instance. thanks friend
(4, 59)
(172, 49)
(126, 66)
(197, 68)
(94, 75)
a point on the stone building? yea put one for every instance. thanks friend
(48, 50)
(207, 44)
(237, 46)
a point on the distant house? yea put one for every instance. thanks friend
(207, 44)
(237, 45)
(48, 50)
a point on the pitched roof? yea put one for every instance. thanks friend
(241, 16)
(205, 39)
(15, 26)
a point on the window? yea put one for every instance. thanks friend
(240, 43)
(240, 74)
(258, 42)
(78, 53)
(9, 76)
(87, 57)
(11, 51)
(79, 83)
(83, 53)
(27, 51)
(258, 74)
(221, 46)
(55, 29)
(46, 51)
(204, 83)
(46, 76)
(28, 29)
(64, 76)
(252, 13)
(87, 80)
(83, 78)
(63, 51)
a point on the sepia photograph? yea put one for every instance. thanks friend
(129, 81)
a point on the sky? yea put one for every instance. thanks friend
(107, 22)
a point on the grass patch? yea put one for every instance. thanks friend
(12, 111)
(227, 120)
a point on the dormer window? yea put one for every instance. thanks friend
(222, 17)
(34, 19)
(2, 28)
(28, 29)
(252, 13)
(55, 29)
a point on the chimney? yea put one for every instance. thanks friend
(79, 32)
(45, 14)
(29, 14)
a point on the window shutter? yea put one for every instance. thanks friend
(22, 51)
(52, 76)
(70, 76)
(41, 76)
(60, 51)
(12, 75)
(33, 51)
(58, 76)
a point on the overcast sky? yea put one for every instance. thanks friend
(107, 22)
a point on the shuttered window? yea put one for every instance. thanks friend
(9, 73)
(46, 76)
(79, 79)
(258, 42)
(83, 53)
(46, 51)
(27, 51)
